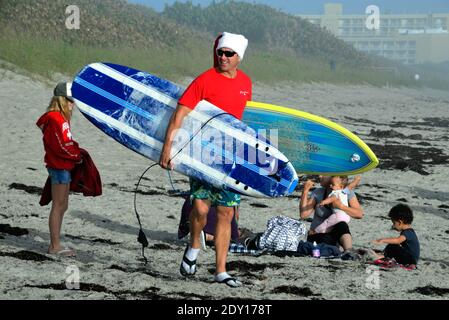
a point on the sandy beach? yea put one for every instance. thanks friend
(408, 129)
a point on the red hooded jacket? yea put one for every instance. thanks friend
(61, 152)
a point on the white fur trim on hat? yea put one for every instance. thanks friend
(236, 42)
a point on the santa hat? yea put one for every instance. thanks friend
(236, 42)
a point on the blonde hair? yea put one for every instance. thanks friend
(60, 104)
(344, 180)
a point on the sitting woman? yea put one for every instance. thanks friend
(341, 188)
(339, 234)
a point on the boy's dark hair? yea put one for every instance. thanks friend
(401, 212)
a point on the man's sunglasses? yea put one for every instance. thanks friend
(227, 54)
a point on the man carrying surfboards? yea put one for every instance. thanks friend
(229, 89)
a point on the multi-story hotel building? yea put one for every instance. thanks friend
(408, 38)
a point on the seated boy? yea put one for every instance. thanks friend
(405, 248)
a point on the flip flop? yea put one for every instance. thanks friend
(386, 263)
(190, 263)
(65, 252)
(231, 282)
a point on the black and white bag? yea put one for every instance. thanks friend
(283, 233)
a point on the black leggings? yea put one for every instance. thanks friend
(332, 237)
(399, 254)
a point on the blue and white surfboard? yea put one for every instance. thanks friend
(134, 108)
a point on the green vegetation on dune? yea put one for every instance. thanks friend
(34, 38)
(47, 56)
(103, 23)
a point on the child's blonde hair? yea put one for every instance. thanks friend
(60, 104)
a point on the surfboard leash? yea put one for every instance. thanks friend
(142, 238)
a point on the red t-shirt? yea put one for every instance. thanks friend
(228, 94)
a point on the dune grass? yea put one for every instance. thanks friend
(46, 57)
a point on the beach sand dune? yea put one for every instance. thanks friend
(407, 128)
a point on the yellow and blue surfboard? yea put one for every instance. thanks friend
(313, 144)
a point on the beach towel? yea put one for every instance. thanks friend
(241, 248)
(305, 248)
(390, 263)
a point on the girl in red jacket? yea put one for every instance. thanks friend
(61, 155)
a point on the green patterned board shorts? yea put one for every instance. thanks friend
(217, 197)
